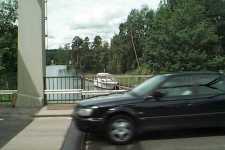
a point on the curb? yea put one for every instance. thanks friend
(84, 143)
(45, 112)
(48, 116)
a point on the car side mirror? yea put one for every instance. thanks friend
(157, 94)
(149, 97)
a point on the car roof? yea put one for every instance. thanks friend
(192, 73)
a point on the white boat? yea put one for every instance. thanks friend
(106, 81)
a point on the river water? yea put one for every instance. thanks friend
(58, 70)
(59, 78)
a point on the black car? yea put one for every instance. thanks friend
(166, 101)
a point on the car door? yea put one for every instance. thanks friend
(208, 108)
(171, 109)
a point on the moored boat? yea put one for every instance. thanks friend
(106, 81)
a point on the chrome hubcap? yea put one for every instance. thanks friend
(121, 130)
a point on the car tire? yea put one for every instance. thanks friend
(120, 129)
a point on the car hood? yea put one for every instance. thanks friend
(109, 100)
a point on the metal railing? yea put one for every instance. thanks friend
(83, 94)
(69, 89)
(124, 81)
(7, 96)
(131, 81)
(8, 81)
(53, 86)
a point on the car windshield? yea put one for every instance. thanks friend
(146, 87)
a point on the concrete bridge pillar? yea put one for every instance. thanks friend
(31, 53)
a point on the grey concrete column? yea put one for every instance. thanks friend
(31, 48)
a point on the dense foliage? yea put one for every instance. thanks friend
(8, 44)
(59, 56)
(90, 56)
(181, 35)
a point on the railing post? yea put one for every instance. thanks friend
(81, 82)
(13, 97)
(82, 85)
(45, 96)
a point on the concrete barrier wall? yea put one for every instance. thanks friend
(31, 46)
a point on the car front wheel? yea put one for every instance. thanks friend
(120, 129)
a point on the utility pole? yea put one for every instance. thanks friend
(135, 52)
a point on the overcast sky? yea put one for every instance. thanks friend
(67, 18)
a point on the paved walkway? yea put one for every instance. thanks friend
(49, 130)
(55, 111)
(41, 134)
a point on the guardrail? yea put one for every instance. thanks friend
(7, 92)
(83, 92)
(124, 81)
(130, 81)
(74, 95)
(63, 82)
(8, 97)
(69, 89)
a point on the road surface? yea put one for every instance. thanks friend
(197, 139)
(10, 126)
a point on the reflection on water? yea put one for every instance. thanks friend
(59, 70)
(60, 78)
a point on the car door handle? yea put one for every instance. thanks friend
(189, 104)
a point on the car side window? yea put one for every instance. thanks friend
(177, 91)
(216, 87)
(204, 90)
(177, 86)
(193, 85)
(190, 80)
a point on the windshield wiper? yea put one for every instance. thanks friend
(213, 81)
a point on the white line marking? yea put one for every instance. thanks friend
(1, 119)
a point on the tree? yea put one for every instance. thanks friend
(97, 50)
(215, 11)
(97, 42)
(128, 45)
(104, 57)
(8, 35)
(87, 56)
(8, 44)
(182, 39)
(76, 47)
(181, 35)
(66, 46)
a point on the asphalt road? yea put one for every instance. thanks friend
(195, 139)
(10, 126)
